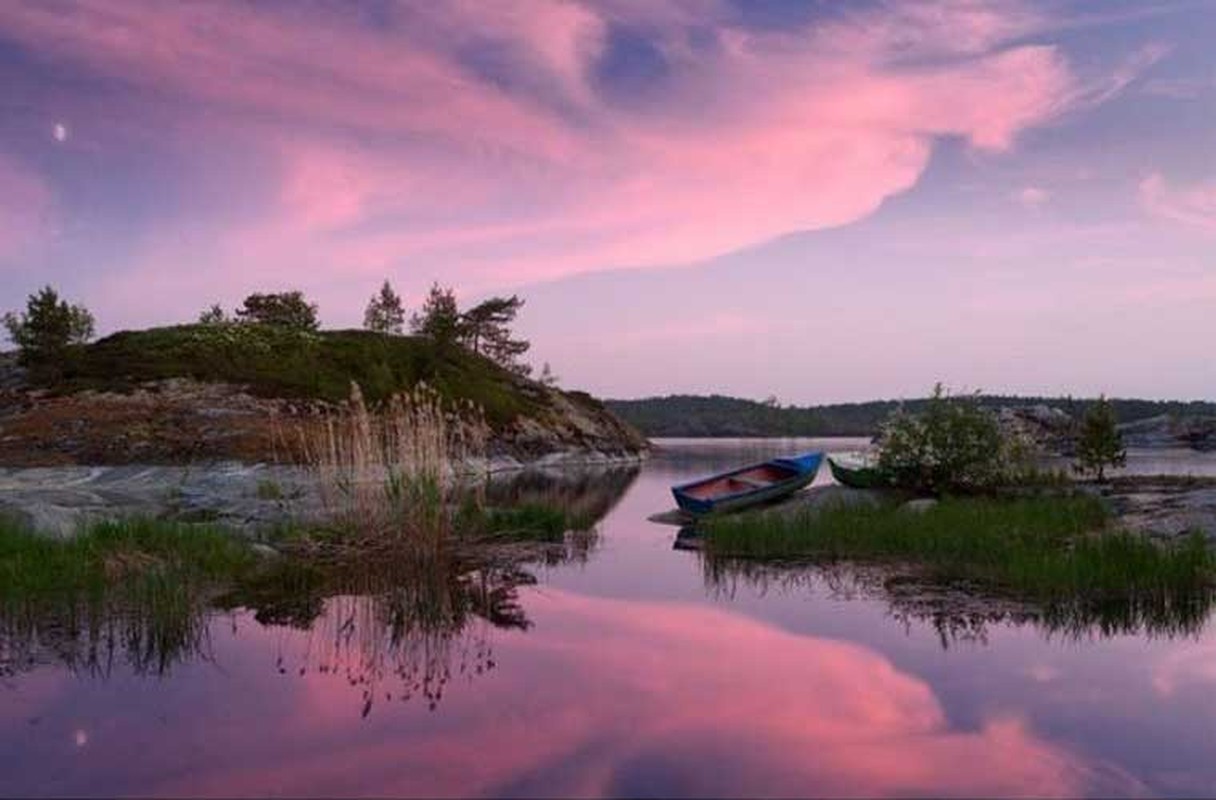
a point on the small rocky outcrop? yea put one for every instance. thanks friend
(1162, 506)
(1053, 431)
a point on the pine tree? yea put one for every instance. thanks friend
(45, 331)
(384, 313)
(284, 309)
(439, 318)
(1100, 444)
(486, 329)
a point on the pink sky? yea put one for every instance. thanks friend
(158, 157)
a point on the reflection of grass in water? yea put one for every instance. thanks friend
(396, 629)
(1046, 549)
(141, 591)
(132, 587)
(962, 610)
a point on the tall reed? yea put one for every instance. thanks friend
(388, 475)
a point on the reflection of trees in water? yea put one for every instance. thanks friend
(961, 612)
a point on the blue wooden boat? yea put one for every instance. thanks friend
(748, 486)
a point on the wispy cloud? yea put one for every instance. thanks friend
(494, 143)
(1032, 196)
(1192, 205)
(25, 208)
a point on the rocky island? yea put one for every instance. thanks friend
(198, 394)
(189, 421)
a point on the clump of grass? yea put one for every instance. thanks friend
(1047, 548)
(390, 475)
(136, 586)
(535, 521)
(113, 550)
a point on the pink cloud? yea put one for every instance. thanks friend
(1193, 205)
(674, 684)
(25, 206)
(1032, 197)
(392, 156)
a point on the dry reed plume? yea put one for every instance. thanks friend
(389, 474)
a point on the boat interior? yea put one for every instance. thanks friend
(754, 478)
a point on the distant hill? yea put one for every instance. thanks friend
(717, 415)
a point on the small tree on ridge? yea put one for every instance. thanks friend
(384, 313)
(46, 329)
(486, 329)
(284, 309)
(439, 318)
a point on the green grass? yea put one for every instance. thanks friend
(127, 550)
(135, 587)
(1046, 548)
(277, 362)
(534, 521)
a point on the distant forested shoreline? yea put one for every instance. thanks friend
(718, 415)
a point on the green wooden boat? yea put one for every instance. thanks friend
(856, 470)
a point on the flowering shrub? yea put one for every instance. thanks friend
(954, 445)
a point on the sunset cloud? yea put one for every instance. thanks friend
(1191, 205)
(25, 208)
(1032, 196)
(496, 144)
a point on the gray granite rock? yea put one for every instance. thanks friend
(919, 506)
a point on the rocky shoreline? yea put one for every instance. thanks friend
(248, 498)
(1055, 431)
(181, 421)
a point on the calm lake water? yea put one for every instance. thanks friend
(616, 665)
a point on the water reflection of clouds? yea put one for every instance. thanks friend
(1189, 667)
(684, 700)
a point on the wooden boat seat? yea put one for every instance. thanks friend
(751, 483)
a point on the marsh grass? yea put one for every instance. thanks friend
(134, 587)
(1052, 549)
(536, 521)
(391, 475)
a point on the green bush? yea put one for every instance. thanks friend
(954, 445)
(283, 309)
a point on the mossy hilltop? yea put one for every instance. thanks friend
(207, 391)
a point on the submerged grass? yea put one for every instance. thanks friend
(1046, 548)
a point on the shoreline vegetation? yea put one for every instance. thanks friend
(953, 499)
(1043, 549)
(398, 522)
